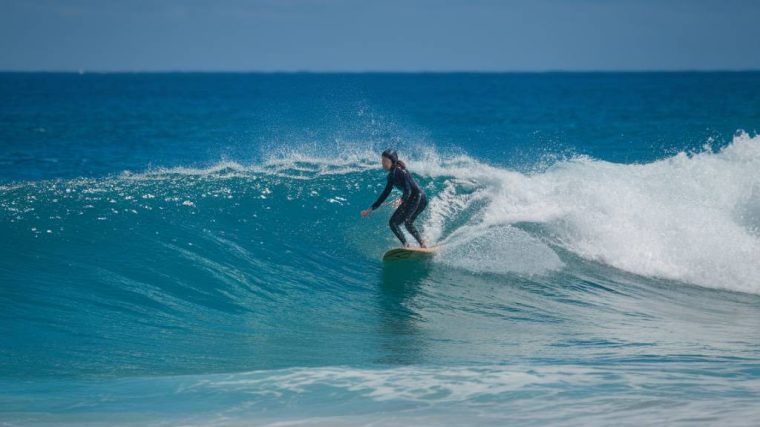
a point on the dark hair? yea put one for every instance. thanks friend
(393, 157)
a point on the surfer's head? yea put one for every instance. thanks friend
(390, 158)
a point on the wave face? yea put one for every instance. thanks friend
(266, 267)
(187, 250)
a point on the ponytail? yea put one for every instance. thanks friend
(401, 164)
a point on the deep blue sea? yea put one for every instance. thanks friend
(187, 249)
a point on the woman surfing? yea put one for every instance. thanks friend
(408, 207)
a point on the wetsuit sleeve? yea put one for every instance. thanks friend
(384, 194)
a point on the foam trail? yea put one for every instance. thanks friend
(500, 250)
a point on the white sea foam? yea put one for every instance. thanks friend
(690, 217)
(450, 384)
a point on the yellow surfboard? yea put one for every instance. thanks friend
(409, 253)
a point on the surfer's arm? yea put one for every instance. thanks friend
(384, 194)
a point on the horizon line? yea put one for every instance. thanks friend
(547, 71)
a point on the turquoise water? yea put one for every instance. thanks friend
(187, 249)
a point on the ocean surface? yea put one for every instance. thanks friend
(186, 249)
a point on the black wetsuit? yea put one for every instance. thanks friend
(413, 202)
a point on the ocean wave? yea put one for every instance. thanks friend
(692, 217)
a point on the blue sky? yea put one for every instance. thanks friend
(382, 35)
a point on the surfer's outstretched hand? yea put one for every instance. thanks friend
(366, 212)
(396, 203)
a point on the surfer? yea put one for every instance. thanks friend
(408, 207)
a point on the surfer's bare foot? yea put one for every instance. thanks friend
(423, 244)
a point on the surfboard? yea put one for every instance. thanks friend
(409, 253)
